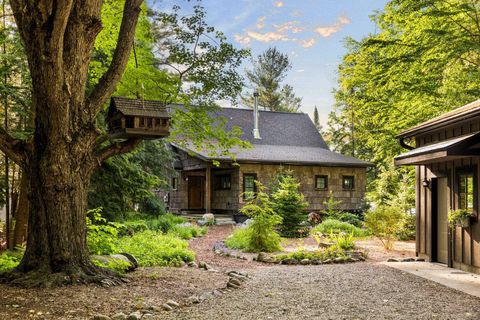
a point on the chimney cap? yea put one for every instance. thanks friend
(255, 93)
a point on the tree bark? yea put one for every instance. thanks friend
(21, 213)
(62, 154)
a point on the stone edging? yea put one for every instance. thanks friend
(221, 249)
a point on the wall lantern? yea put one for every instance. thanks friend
(426, 183)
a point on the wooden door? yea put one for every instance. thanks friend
(196, 192)
(442, 222)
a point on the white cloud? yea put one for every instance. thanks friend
(268, 36)
(327, 31)
(300, 70)
(244, 40)
(307, 43)
(261, 22)
(289, 26)
(279, 4)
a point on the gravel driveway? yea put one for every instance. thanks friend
(365, 290)
(351, 291)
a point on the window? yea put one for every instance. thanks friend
(174, 183)
(223, 182)
(321, 182)
(141, 122)
(348, 182)
(249, 187)
(465, 192)
(157, 122)
(149, 122)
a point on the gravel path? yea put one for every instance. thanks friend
(352, 291)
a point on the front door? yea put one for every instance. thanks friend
(442, 221)
(196, 192)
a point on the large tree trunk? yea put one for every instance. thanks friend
(66, 147)
(21, 213)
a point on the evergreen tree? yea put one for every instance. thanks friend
(269, 70)
(290, 204)
(316, 119)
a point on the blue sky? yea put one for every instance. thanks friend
(310, 31)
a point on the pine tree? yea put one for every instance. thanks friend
(269, 70)
(316, 120)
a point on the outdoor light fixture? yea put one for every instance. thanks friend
(426, 183)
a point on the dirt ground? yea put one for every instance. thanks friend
(275, 292)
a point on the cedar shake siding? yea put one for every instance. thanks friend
(450, 151)
(289, 141)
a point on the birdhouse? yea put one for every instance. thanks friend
(147, 119)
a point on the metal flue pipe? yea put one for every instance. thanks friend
(256, 131)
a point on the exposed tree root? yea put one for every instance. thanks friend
(76, 275)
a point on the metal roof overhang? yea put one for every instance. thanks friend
(460, 147)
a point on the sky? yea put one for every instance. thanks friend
(311, 32)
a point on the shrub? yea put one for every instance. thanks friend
(133, 226)
(239, 239)
(188, 232)
(330, 226)
(343, 241)
(320, 254)
(152, 206)
(408, 231)
(116, 265)
(10, 259)
(262, 235)
(348, 217)
(290, 204)
(155, 249)
(101, 235)
(385, 222)
(165, 222)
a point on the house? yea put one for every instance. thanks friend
(280, 141)
(446, 157)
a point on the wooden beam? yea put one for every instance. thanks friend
(208, 188)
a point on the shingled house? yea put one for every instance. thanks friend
(445, 152)
(281, 141)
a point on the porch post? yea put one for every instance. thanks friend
(208, 188)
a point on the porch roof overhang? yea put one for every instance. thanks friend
(464, 146)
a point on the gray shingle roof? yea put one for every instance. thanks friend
(137, 107)
(286, 138)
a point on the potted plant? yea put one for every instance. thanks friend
(460, 217)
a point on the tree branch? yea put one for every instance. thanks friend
(13, 148)
(106, 85)
(117, 148)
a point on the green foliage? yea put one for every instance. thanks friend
(188, 232)
(153, 248)
(101, 234)
(269, 70)
(321, 254)
(343, 241)
(408, 231)
(166, 222)
(385, 222)
(331, 226)
(239, 239)
(332, 205)
(10, 259)
(263, 236)
(290, 204)
(422, 61)
(116, 265)
(456, 217)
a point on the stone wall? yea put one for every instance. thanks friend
(351, 199)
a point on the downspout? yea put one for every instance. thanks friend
(404, 144)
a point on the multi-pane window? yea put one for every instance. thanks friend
(348, 182)
(321, 182)
(249, 187)
(223, 182)
(465, 192)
